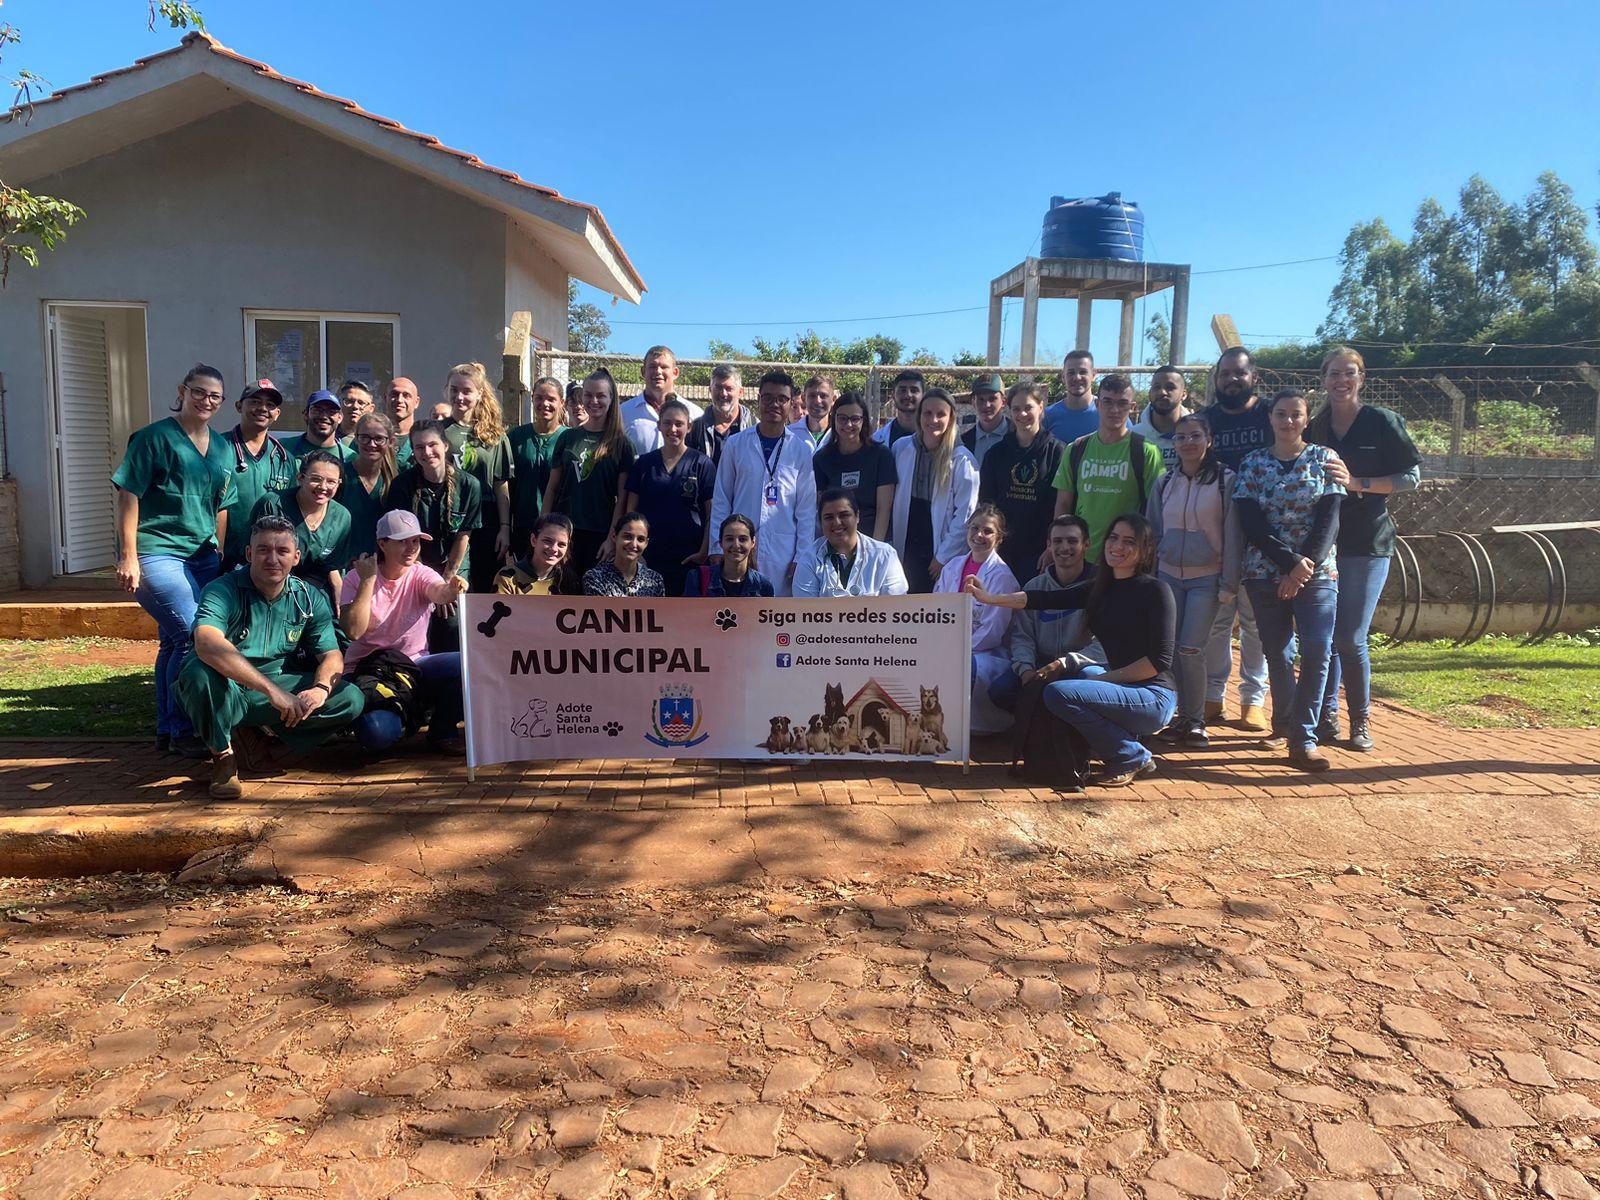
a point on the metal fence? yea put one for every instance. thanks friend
(1482, 421)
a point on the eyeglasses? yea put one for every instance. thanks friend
(372, 439)
(199, 394)
(856, 420)
(1188, 437)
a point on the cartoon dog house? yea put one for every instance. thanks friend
(883, 706)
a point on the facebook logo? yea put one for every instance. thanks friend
(786, 660)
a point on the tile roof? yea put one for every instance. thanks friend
(350, 106)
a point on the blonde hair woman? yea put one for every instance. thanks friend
(476, 433)
(367, 477)
(937, 492)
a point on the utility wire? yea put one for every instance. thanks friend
(942, 312)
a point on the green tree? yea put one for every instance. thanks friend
(587, 327)
(1375, 279)
(30, 222)
(1555, 247)
(969, 358)
(1158, 338)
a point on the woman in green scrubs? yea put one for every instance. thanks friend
(172, 488)
(321, 524)
(367, 477)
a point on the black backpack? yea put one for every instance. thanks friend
(1048, 751)
(1077, 450)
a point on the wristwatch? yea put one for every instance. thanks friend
(1366, 483)
(327, 690)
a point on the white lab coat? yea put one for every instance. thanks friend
(641, 424)
(990, 659)
(877, 571)
(951, 507)
(804, 431)
(782, 529)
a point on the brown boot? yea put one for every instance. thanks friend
(1213, 712)
(1253, 719)
(225, 783)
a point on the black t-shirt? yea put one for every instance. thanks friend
(1020, 481)
(1136, 619)
(1376, 444)
(863, 473)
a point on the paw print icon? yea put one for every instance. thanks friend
(612, 728)
(726, 620)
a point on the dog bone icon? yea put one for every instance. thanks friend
(497, 614)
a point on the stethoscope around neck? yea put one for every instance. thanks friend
(275, 452)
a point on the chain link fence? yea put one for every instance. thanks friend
(1467, 421)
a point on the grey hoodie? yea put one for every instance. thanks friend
(1041, 635)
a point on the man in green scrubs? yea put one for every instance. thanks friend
(322, 430)
(260, 463)
(266, 661)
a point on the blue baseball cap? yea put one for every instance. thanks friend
(322, 397)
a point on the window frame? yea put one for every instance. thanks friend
(291, 404)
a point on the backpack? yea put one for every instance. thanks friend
(1048, 752)
(1080, 447)
(388, 679)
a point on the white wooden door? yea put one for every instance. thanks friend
(83, 439)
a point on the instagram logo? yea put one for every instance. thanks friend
(783, 639)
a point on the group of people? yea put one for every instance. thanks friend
(311, 584)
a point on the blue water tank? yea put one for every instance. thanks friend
(1099, 227)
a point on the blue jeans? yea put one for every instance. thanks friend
(1111, 716)
(1309, 617)
(169, 590)
(1361, 580)
(1005, 691)
(381, 728)
(1196, 601)
(1219, 654)
(441, 675)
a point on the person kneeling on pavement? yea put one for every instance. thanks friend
(384, 610)
(263, 683)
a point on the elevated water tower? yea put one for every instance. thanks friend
(1091, 250)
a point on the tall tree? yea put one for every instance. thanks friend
(1158, 338)
(1375, 278)
(587, 327)
(1555, 246)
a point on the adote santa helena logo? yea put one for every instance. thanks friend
(676, 718)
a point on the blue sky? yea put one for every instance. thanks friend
(800, 163)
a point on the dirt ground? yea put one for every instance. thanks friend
(1040, 1025)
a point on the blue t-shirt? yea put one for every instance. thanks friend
(673, 502)
(1067, 425)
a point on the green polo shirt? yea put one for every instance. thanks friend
(180, 490)
(532, 456)
(270, 471)
(323, 549)
(364, 508)
(266, 631)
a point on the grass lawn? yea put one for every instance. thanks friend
(1495, 683)
(77, 687)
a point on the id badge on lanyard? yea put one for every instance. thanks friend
(770, 493)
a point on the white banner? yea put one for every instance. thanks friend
(582, 677)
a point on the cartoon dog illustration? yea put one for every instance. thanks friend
(840, 740)
(931, 719)
(778, 738)
(816, 735)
